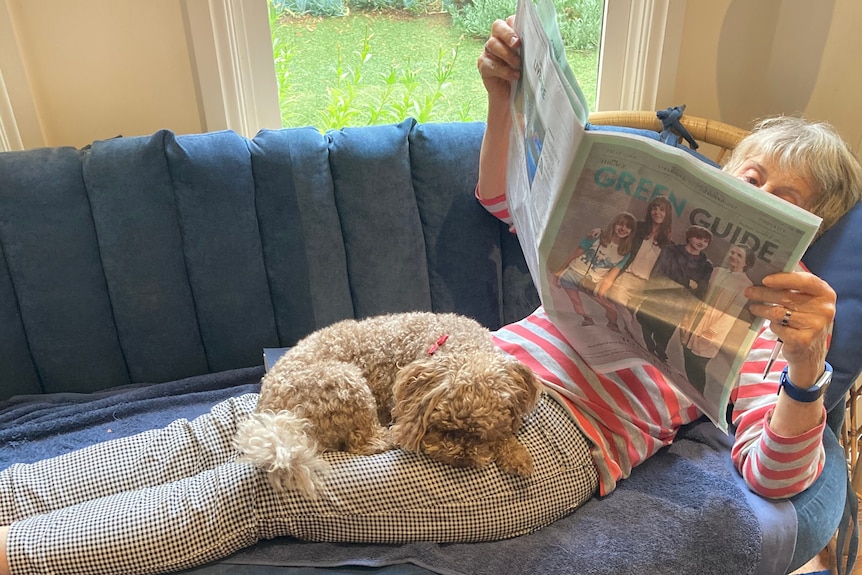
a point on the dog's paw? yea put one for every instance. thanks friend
(519, 467)
(514, 459)
(377, 442)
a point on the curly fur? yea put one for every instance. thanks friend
(340, 389)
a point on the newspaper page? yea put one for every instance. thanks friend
(640, 251)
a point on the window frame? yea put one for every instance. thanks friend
(639, 53)
(638, 57)
(19, 122)
(234, 73)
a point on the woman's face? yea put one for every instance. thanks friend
(736, 259)
(623, 229)
(762, 173)
(658, 213)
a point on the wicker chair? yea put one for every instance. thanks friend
(721, 137)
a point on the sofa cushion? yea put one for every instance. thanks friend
(215, 199)
(153, 258)
(51, 254)
(463, 244)
(141, 245)
(300, 230)
(17, 370)
(379, 219)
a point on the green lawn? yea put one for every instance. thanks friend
(396, 77)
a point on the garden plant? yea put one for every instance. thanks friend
(363, 62)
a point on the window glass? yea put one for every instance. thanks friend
(380, 61)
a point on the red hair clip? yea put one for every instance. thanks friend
(440, 341)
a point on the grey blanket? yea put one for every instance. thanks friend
(683, 511)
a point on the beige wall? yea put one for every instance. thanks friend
(744, 59)
(100, 68)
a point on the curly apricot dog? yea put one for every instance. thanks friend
(436, 381)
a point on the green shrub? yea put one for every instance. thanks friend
(375, 4)
(341, 7)
(475, 17)
(580, 21)
(313, 7)
(410, 6)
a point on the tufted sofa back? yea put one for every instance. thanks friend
(149, 259)
(153, 258)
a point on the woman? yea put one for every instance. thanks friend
(651, 235)
(596, 261)
(804, 163)
(174, 498)
(709, 323)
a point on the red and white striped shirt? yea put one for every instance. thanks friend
(631, 413)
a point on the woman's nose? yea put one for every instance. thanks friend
(768, 187)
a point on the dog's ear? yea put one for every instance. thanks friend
(416, 393)
(526, 387)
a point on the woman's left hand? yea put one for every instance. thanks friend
(801, 308)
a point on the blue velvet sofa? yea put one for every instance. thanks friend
(141, 277)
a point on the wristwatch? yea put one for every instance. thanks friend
(813, 393)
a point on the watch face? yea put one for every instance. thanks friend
(823, 381)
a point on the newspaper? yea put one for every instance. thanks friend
(579, 200)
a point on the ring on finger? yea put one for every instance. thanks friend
(786, 319)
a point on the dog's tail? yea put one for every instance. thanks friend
(279, 444)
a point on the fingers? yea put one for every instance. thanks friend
(790, 323)
(493, 66)
(809, 299)
(500, 57)
(793, 287)
(504, 32)
(800, 308)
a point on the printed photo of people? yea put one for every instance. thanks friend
(703, 331)
(596, 262)
(650, 266)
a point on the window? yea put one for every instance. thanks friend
(235, 79)
(637, 62)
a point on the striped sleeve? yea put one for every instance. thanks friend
(498, 207)
(628, 415)
(772, 465)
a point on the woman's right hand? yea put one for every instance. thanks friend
(500, 61)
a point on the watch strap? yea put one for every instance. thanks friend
(809, 395)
